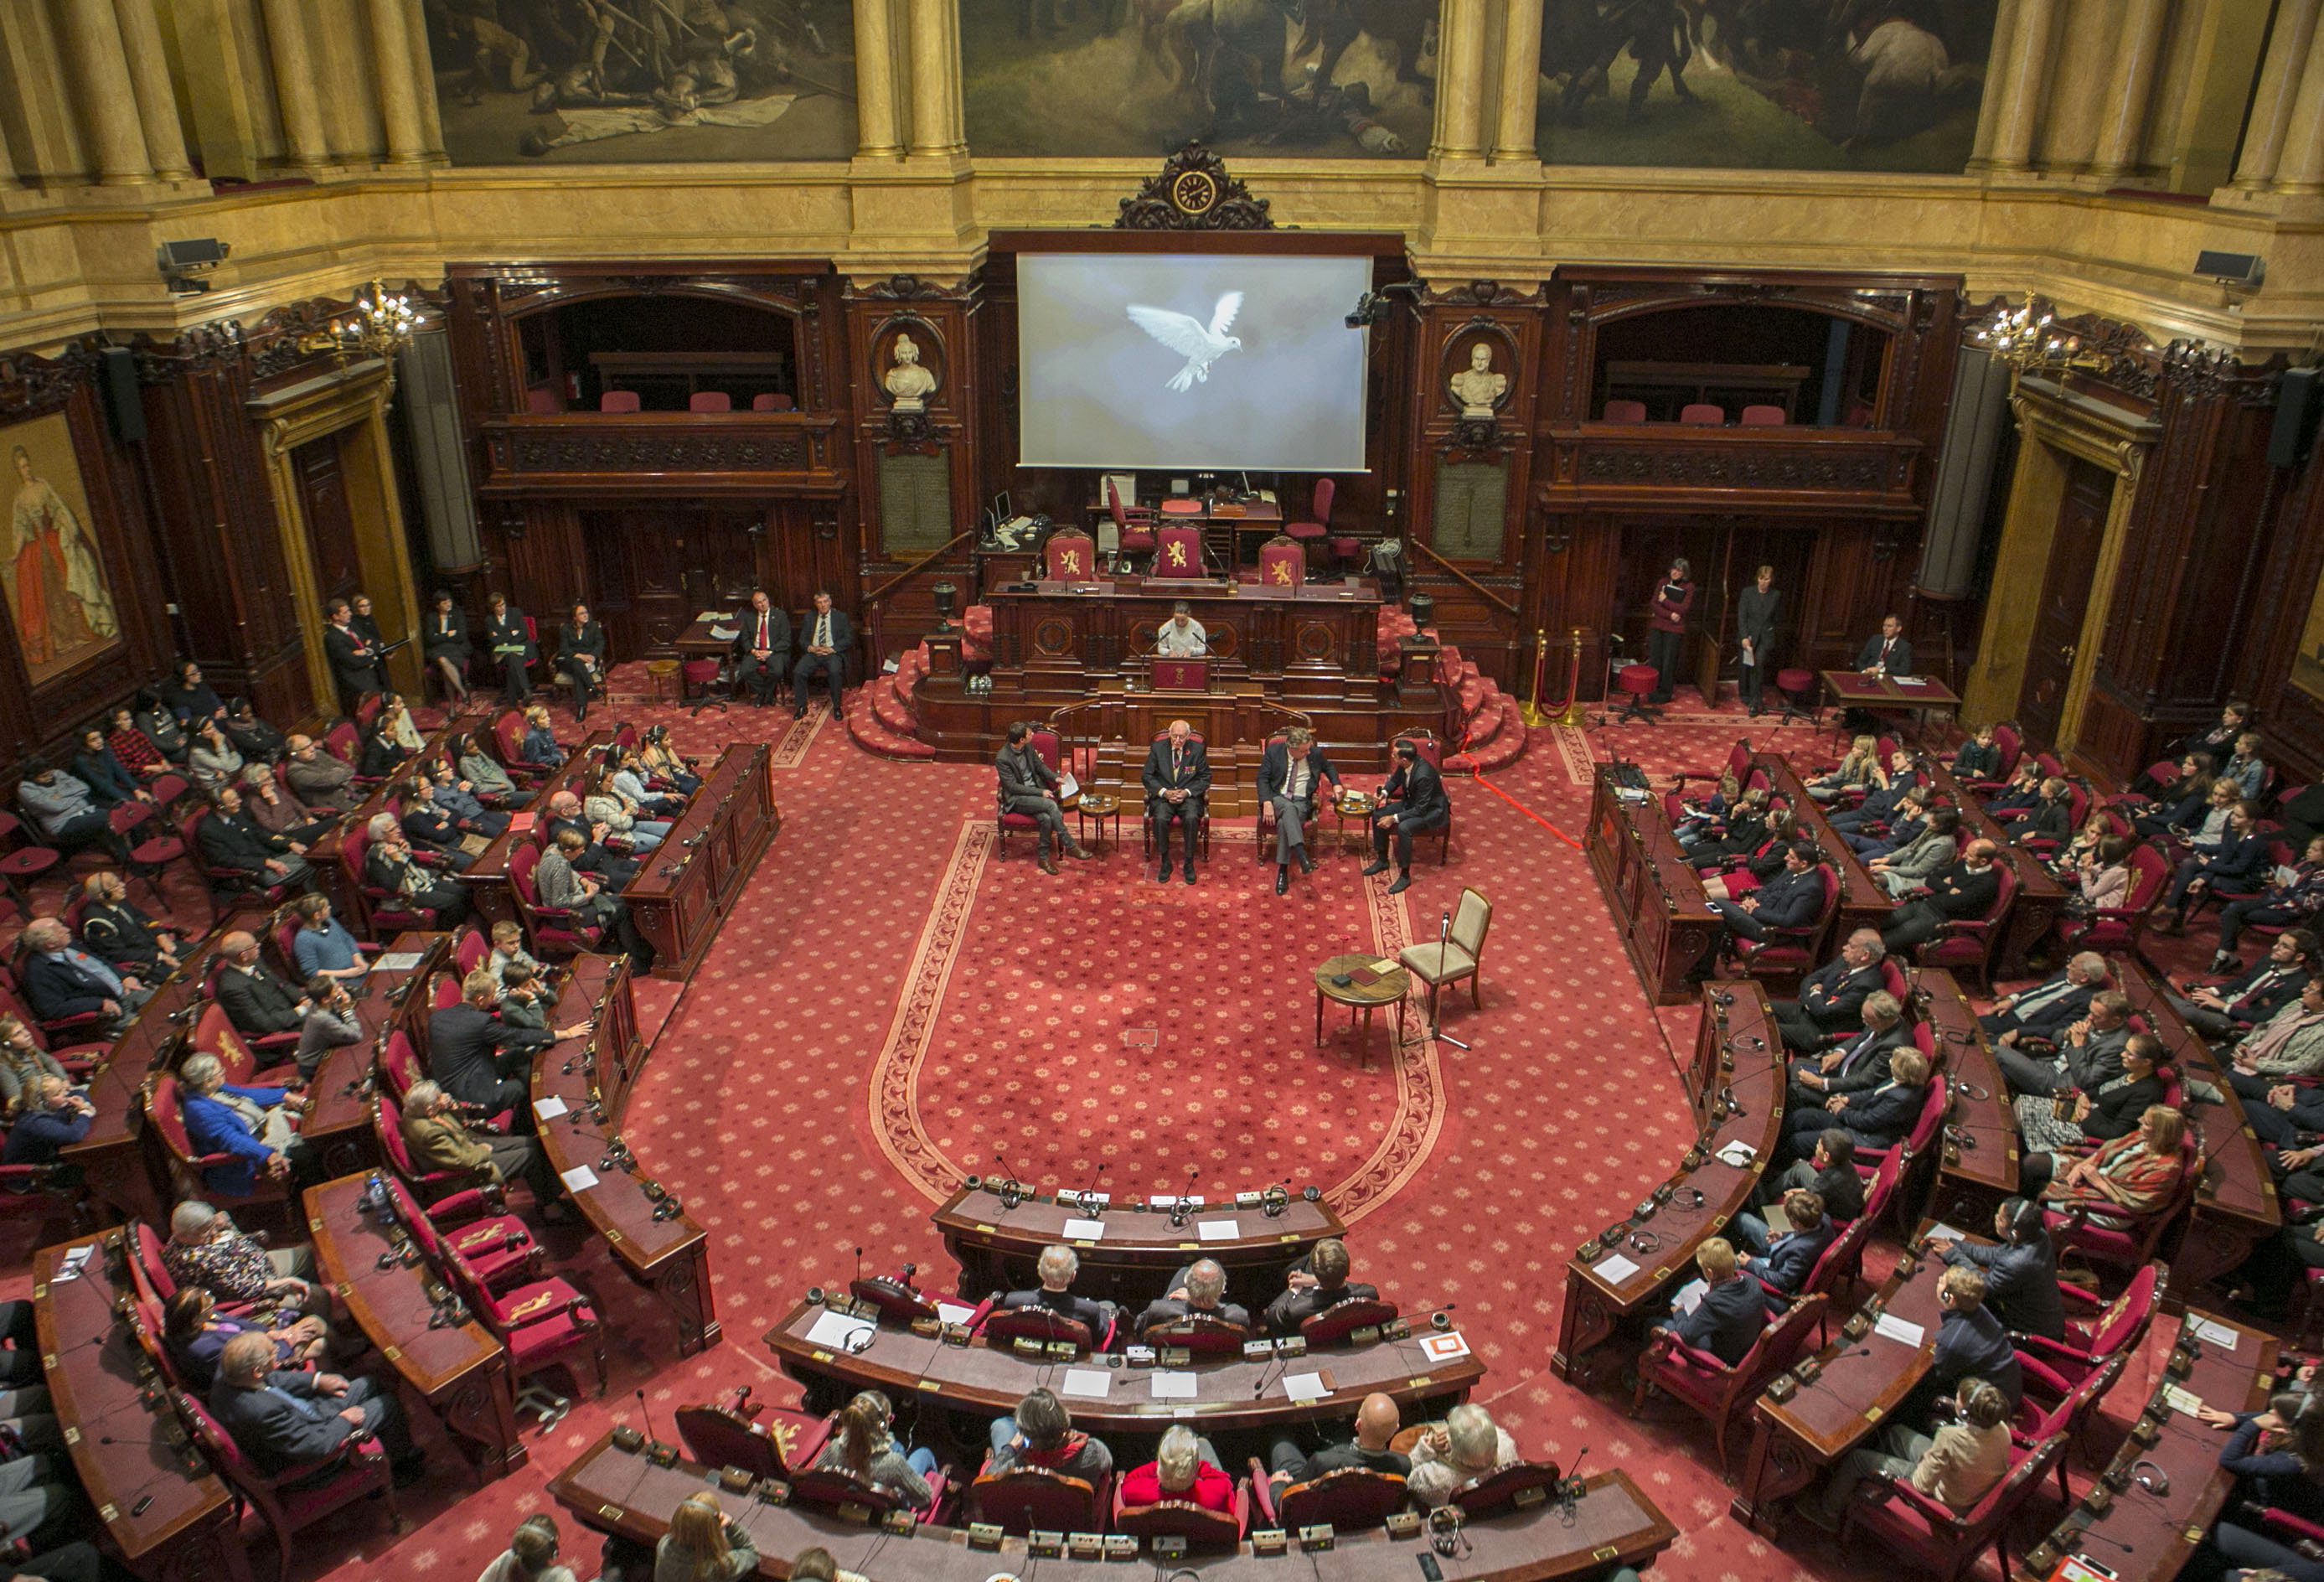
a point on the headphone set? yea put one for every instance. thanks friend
(1447, 1533)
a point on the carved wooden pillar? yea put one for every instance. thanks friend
(2139, 47)
(157, 100)
(1520, 80)
(100, 70)
(1461, 80)
(398, 100)
(875, 82)
(294, 84)
(2272, 101)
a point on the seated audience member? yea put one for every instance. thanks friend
(1876, 1120)
(630, 782)
(487, 778)
(2080, 851)
(63, 812)
(2023, 790)
(664, 762)
(581, 659)
(2294, 894)
(395, 719)
(2288, 1044)
(1791, 900)
(2050, 817)
(20, 1361)
(381, 755)
(125, 938)
(2102, 880)
(206, 1249)
(540, 745)
(1978, 758)
(1831, 997)
(1732, 877)
(230, 838)
(1737, 831)
(2243, 766)
(2217, 742)
(2042, 1014)
(1699, 818)
(255, 999)
(1785, 1259)
(2124, 1181)
(1905, 869)
(1412, 801)
(23, 1063)
(156, 721)
(321, 781)
(1056, 1268)
(532, 1553)
(212, 761)
(390, 866)
(134, 749)
(109, 780)
(509, 640)
(1963, 888)
(323, 945)
(1467, 1446)
(1857, 770)
(562, 887)
(2277, 1459)
(2238, 866)
(190, 698)
(481, 1062)
(194, 1332)
(508, 950)
(456, 797)
(1041, 1433)
(1377, 1422)
(597, 856)
(1957, 1466)
(762, 649)
(826, 637)
(1829, 1171)
(332, 1023)
(275, 809)
(2288, 1119)
(862, 1445)
(1197, 1289)
(2020, 1269)
(1906, 826)
(1726, 1320)
(2182, 805)
(53, 1120)
(521, 1004)
(1292, 775)
(2071, 1119)
(2089, 1051)
(1890, 783)
(704, 1544)
(1184, 1469)
(605, 806)
(1858, 1066)
(1315, 1284)
(1971, 1342)
(258, 740)
(438, 1140)
(815, 1564)
(64, 981)
(281, 1418)
(430, 828)
(255, 1125)
(2251, 996)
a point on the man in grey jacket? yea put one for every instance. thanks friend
(2089, 1058)
(1029, 786)
(67, 814)
(1754, 625)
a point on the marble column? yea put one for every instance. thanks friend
(2122, 135)
(1461, 80)
(2274, 100)
(7, 165)
(100, 69)
(931, 31)
(294, 84)
(875, 81)
(2028, 80)
(2301, 171)
(157, 99)
(1520, 80)
(393, 78)
(423, 68)
(1996, 84)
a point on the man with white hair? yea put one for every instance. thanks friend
(253, 996)
(564, 813)
(257, 1127)
(1058, 1267)
(62, 980)
(283, 1418)
(1831, 996)
(1466, 1446)
(481, 1060)
(1196, 1288)
(230, 838)
(206, 1249)
(320, 781)
(1184, 1469)
(1177, 781)
(2044, 1012)
(436, 1141)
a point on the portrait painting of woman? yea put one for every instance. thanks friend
(58, 592)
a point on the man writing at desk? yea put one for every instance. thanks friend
(1177, 780)
(1182, 636)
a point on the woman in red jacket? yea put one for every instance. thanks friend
(1666, 624)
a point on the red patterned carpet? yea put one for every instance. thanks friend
(889, 1002)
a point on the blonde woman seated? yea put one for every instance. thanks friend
(704, 1545)
(1467, 1446)
(863, 1446)
(1856, 772)
(1956, 1467)
(2123, 1182)
(1184, 1469)
(23, 1063)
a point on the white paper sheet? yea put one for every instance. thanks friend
(1218, 1230)
(1092, 1383)
(549, 1108)
(1615, 1269)
(2211, 1334)
(1068, 787)
(1941, 1232)
(725, 633)
(1084, 1230)
(579, 1179)
(1169, 1385)
(1896, 1328)
(1304, 1387)
(953, 1313)
(836, 1330)
(1171, 1201)
(397, 961)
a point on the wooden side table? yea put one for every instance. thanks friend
(661, 679)
(1352, 808)
(1367, 998)
(1100, 807)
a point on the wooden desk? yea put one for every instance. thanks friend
(988, 1381)
(487, 879)
(338, 1121)
(1979, 1166)
(1320, 630)
(1862, 1382)
(462, 1373)
(2144, 1537)
(2235, 1207)
(689, 882)
(126, 1451)
(669, 1256)
(1659, 909)
(623, 1493)
(1923, 695)
(1134, 1260)
(1864, 901)
(2040, 897)
(1735, 1049)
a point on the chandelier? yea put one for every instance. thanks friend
(2030, 337)
(381, 324)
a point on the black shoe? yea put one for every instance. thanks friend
(1162, 875)
(1282, 878)
(1046, 863)
(1378, 867)
(1189, 872)
(799, 712)
(1403, 883)
(1307, 863)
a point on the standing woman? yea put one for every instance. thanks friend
(445, 641)
(1754, 624)
(581, 655)
(1666, 625)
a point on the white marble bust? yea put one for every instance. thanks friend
(1477, 386)
(908, 382)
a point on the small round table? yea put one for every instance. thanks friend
(1357, 997)
(661, 679)
(1099, 806)
(1352, 808)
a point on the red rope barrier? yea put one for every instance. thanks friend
(1529, 812)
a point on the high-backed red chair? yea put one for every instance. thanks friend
(2009, 745)
(162, 1103)
(1044, 742)
(1352, 1499)
(1702, 414)
(1760, 415)
(1070, 557)
(543, 399)
(385, 913)
(1200, 1334)
(151, 1276)
(1133, 525)
(1500, 1489)
(2067, 1418)
(1336, 1323)
(727, 1432)
(1200, 1527)
(1902, 1522)
(24, 861)
(1308, 534)
(242, 1057)
(470, 950)
(152, 844)
(1965, 948)
(833, 1487)
(710, 400)
(1177, 550)
(1710, 1387)
(2116, 1330)
(1623, 412)
(1025, 1498)
(555, 932)
(1003, 1325)
(540, 1326)
(299, 1496)
(1787, 952)
(1282, 565)
(507, 736)
(618, 401)
(772, 401)
(2132, 1245)
(2112, 930)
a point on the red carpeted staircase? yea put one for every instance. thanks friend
(1491, 734)
(883, 720)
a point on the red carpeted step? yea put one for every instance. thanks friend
(1497, 739)
(876, 738)
(890, 709)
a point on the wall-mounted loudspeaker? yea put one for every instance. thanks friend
(123, 407)
(2296, 406)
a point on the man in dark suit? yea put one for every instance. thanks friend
(1876, 1121)
(2253, 995)
(1831, 996)
(1970, 1340)
(1317, 1282)
(355, 661)
(511, 646)
(1787, 1258)
(1292, 788)
(230, 838)
(2089, 1051)
(762, 649)
(62, 980)
(1889, 654)
(825, 639)
(1196, 1288)
(1733, 1310)
(1177, 781)
(1412, 801)
(478, 1060)
(1755, 626)
(581, 659)
(1961, 888)
(1791, 900)
(255, 1000)
(564, 813)
(2041, 1014)
(1058, 1267)
(1377, 1422)
(1029, 786)
(124, 937)
(1858, 1066)
(287, 1418)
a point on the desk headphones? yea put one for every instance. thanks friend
(1445, 1532)
(2148, 1475)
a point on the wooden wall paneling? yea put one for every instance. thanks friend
(2290, 716)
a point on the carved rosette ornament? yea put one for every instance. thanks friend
(1193, 193)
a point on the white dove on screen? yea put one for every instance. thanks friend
(1200, 344)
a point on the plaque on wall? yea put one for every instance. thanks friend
(1472, 498)
(915, 504)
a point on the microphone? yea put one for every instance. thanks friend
(647, 1415)
(859, 1263)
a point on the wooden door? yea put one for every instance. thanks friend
(1648, 548)
(331, 520)
(2065, 598)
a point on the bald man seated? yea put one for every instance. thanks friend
(1196, 1288)
(1377, 1422)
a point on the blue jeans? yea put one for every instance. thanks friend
(1749, 1232)
(922, 1460)
(1004, 1429)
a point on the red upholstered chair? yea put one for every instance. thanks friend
(1762, 416)
(1783, 953)
(24, 861)
(555, 932)
(507, 736)
(710, 400)
(1177, 550)
(618, 401)
(1713, 1390)
(540, 1326)
(2067, 1418)
(2133, 1245)
(263, 1060)
(1200, 1334)
(78, 1059)
(431, 1186)
(772, 401)
(727, 1432)
(1025, 1498)
(2115, 929)
(1500, 1489)
(385, 913)
(704, 683)
(1352, 1499)
(1200, 1527)
(470, 950)
(1432, 753)
(1308, 534)
(834, 1486)
(1636, 682)
(1966, 947)
(1202, 825)
(1069, 557)
(152, 846)
(1133, 525)
(299, 1496)
(160, 1103)
(1334, 1324)
(1902, 1522)
(1003, 1325)
(1702, 414)
(498, 1247)
(1623, 412)
(2118, 1329)
(1044, 742)
(1282, 565)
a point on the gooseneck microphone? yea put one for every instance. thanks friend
(646, 1414)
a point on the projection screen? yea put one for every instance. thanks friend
(1191, 362)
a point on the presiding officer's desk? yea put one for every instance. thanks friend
(1979, 1166)
(170, 1515)
(624, 1493)
(1659, 908)
(1324, 629)
(458, 1370)
(1133, 1261)
(986, 1380)
(1736, 1052)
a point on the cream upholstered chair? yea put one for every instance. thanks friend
(1437, 965)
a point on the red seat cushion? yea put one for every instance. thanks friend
(1304, 529)
(38, 859)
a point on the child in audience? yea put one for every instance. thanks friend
(1978, 758)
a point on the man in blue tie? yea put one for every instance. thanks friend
(282, 1419)
(62, 980)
